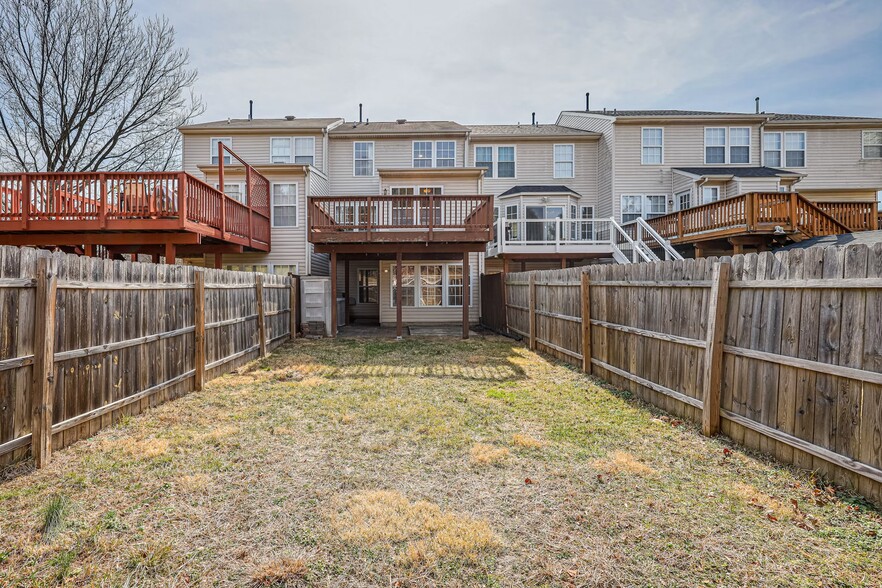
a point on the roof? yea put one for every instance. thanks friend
(479, 131)
(263, 124)
(738, 172)
(406, 127)
(868, 238)
(771, 116)
(538, 190)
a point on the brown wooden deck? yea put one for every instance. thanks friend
(161, 212)
(758, 219)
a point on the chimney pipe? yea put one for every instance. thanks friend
(587, 101)
(250, 109)
(359, 112)
(534, 119)
(757, 104)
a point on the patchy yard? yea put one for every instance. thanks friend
(421, 463)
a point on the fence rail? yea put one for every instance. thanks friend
(781, 352)
(85, 340)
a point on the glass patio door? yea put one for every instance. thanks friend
(543, 231)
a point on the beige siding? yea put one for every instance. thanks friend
(289, 244)
(744, 185)
(605, 161)
(424, 316)
(840, 196)
(463, 186)
(254, 149)
(834, 160)
(388, 153)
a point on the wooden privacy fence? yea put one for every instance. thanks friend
(782, 352)
(85, 340)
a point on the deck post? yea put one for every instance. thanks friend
(218, 260)
(220, 185)
(466, 294)
(398, 295)
(199, 332)
(333, 294)
(44, 362)
(182, 198)
(586, 324)
(25, 200)
(155, 258)
(250, 205)
(346, 289)
(794, 217)
(713, 353)
(261, 315)
(89, 250)
(102, 202)
(749, 211)
(169, 253)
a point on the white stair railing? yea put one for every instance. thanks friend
(624, 249)
(646, 228)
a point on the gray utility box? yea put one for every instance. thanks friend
(315, 305)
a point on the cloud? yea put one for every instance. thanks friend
(498, 60)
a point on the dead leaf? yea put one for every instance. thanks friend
(771, 516)
(528, 481)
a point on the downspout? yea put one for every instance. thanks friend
(307, 184)
(325, 151)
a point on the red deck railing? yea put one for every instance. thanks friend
(400, 218)
(756, 212)
(134, 201)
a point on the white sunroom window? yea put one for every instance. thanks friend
(652, 143)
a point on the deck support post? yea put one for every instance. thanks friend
(261, 315)
(563, 263)
(531, 305)
(586, 323)
(346, 289)
(44, 362)
(155, 258)
(170, 253)
(218, 261)
(292, 315)
(398, 295)
(89, 250)
(333, 294)
(466, 294)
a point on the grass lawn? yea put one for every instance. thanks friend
(432, 462)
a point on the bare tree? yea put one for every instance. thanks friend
(86, 85)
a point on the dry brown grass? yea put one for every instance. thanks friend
(482, 454)
(354, 457)
(280, 573)
(526, 441)
(427, 532)
(622, 462)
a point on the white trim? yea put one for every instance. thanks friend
(662, 146)
(212, 149)
(554, 161)
(273, 205)
(373, 160)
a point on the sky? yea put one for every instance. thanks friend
(497, 61)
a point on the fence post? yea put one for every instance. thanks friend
(531, 303)
(44, 364)
(586, 324)
(199, 333)
(713, 353)
(292, 315)
(261, 318)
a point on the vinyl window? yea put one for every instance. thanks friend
(284, 270)
(652, 144)
(247, 267)
(304, 150)
(506, 162)
(484, 158)
(422, 154)
(772, 149)
(234, 190)
(647, 206)
(684, 200)
(715, 145)
(563, 161)
(280, 149)
(784, 149)
(739, 145)
(284, 205)
(429, 285)
(794, 149)
(363, 158)
(445, 153)
(872, 144)
(632, 207)
(710, 194)
(228, 142)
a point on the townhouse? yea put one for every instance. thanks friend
(378, 204)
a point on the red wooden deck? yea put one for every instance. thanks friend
(133, 212)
